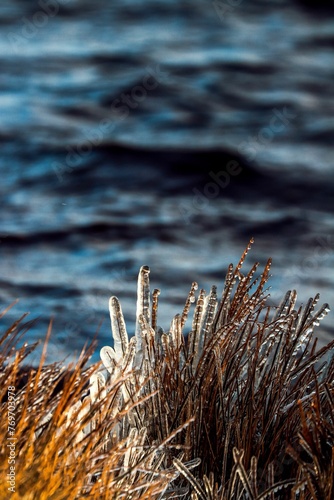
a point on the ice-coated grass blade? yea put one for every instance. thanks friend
(143, 309)
(118, 327)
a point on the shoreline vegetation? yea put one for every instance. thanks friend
(235, 401)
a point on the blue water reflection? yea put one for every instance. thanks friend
(113, 119)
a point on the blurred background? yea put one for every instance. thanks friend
(164, 133)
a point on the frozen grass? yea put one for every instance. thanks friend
(239, 407)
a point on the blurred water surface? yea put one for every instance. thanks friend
(115, 118)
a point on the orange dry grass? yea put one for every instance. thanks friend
(54, 458)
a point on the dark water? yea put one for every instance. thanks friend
(162, 133)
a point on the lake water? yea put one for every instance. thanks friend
(161, 133)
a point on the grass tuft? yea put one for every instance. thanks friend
(237, 405)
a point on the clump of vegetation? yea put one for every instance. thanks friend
(238, 405)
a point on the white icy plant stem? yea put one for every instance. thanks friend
(119, 360)
(143, 310)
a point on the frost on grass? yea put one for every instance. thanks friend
(233, 400)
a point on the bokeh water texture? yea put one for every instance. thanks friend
(161, 133)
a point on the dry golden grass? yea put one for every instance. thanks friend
(240, 407)
(65, 446)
